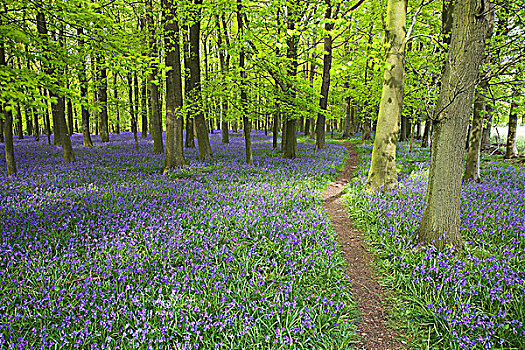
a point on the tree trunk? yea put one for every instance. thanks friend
(1, 128)
(132, 110)
(58, 107)
(36, 128)
(275, 130)
(194, 92)
(224, 60)
(7, 125)
(290, 132)
(190, 138)
(325, 85)
(174, 155)
(117, 104)
(474, 146)
(441, 216)
(245, 119)
(427, 133)
(383, 172)
(512, 149)
(347, 126)
(86, 135)
(102, 98)
(153, 84)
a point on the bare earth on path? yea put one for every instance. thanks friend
(372, 327)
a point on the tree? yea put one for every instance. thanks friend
(153, 84)
(174, 156)
(86, 135)
(441, 215)
(194, 96)
(383, 171)
(327, 65)
(7, 130)
(247, 124)
(512, 150)
(58, 101)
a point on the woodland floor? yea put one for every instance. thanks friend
(372, 324)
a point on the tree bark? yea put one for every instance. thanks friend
(224, 60)
(102, 98)
(153, 84)
(247, 124)
(194, 91)
(441, 216)
(347, 126)
(86, 135)
(383, 171)
(512, 149)
(325, 84)
(290, 132)
(7, 130)
(117, 104)
(58, 107)
(132, 109)
(174, 155)
(472, 171)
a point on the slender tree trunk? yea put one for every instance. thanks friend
(441, 216)
(245, 120)
(224, 60)
(325, 85)
(59, 106)
(347, 127)
(7, 125)
(136, 107)
(70, 114)
(485, 140)
(102, 97)
(1, 127)
(144, 108)
(512, 149)
(153, 85)
(472, 171)
(132, 110)
(190, 139)
(86, 135)
(427, 133)
(174, 155)
(117, 104)
(275, 129)
(383, 172)
(290, 130)
(194, 92)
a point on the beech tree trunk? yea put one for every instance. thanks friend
(512, 149)
(441, 216)
(472, 171)
(383, 171)
(58, 107)
(174, 154)
(153, 85)
(86, 135)
(347, 126)
(194, 97)
(117, 104)
(224, 60)
(7, 130)
(290, 130)
(244, 97)
(325, 84)
(132, 110)
(102, 98)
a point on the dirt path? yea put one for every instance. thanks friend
(372, 328)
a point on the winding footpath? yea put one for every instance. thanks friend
(372, 325)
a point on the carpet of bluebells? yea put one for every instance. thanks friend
(108, 253)
(474, 300)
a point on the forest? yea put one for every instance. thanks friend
(262, 174)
